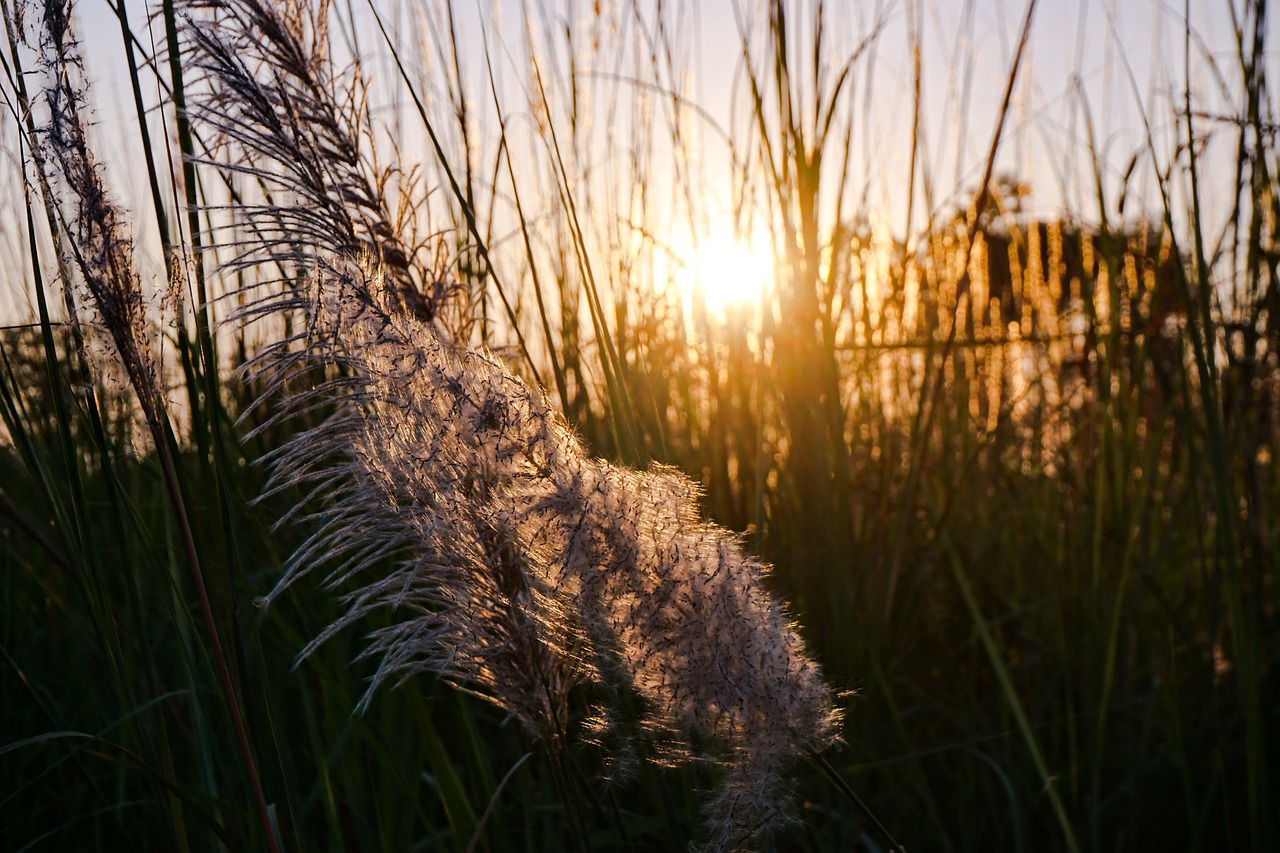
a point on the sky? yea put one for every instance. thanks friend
(1124, 59)
(1125, 56)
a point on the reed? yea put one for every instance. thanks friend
(523, 565)
(417, 397)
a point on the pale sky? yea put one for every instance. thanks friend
(1124, 56)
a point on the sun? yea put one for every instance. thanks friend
(730, 272)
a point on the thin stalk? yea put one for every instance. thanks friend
(922, 421)
(624, 415)
(562, 388)
(1008, 690)
(819, 761)
(468, 212)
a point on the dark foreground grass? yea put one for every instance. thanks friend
(1024, 505)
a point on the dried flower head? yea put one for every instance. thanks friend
(519, 565)
(284, 118)
(94, 248)
(448, 491)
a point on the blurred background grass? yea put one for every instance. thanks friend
(1013, 462)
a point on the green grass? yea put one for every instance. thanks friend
(1051, 592)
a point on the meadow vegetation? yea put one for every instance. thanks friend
(383, 361)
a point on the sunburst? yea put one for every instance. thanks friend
(727, 270)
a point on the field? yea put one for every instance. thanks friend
(597, 426)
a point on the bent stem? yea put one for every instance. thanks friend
(820, 763)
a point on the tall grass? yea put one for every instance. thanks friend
(1015, 473)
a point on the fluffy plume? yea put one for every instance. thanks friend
(274, 102)
(449, 491)
(97, 254)
(522, 565)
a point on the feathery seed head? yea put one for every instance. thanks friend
(97, 252)
(449, 491)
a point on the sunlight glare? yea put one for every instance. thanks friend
(731, 273)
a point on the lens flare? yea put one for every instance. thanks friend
(727, 270)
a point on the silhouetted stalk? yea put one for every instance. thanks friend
(462, 198)
(1007, 688)
(562, 389)
(1195, 291)
(922, 420)
(819, 761)
(623, 415)
(173, 262)
(1204, 337)
(102, 256)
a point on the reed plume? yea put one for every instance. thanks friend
(95, 250)
(455, 496)
(96, 254)
(276, 102)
